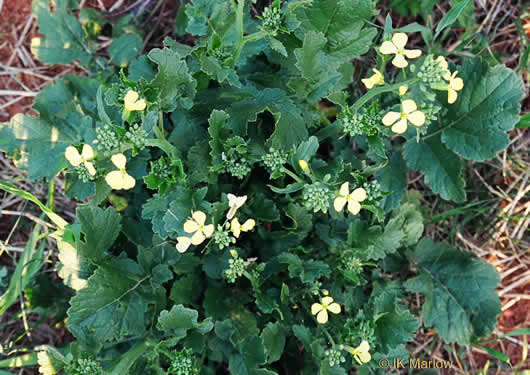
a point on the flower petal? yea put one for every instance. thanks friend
(115, 180)
(90, 168)
(334, 308)
(327, 300)
(399, 61)
(408, 106)
(190, 226)
(412, 53)
(315, 308)
(235, 227)
(417, 118)
(130, 97)
(388, 48)
(457, 84)
(208, 230)
(390, 118)
(138, 106)
(72, 155)
(443, 63)
(368, 82)
(339, 203)
(128, 181)
(199, 217)
(322, 317)
(403, 89)
(248, 225)
(183, 243)
(358, 195)
(87, 152)
(400, 127)
(452, 96)
(363, 347)
(354, 207)
(344, 189)
(364, 357)
(119, 160)
(400, 40)
(197, 238)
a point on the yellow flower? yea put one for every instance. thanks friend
(397, 47)
(195, 225)
(454, 84)
(442, 62)
(321, 309)
(234, 203)
(361, 353)
(237, 228)
(376, 79)
(132, 103)
(120, 179)
(72, 155)
(408, 113)
(303, 164)
(403, 90)
(353, 199)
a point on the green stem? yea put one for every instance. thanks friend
(128, 359)
(159, 130)
(294, 176)
(380, 90)
(255, 36)
(327, 334)
(163, 145)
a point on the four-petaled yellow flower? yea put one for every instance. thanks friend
(361, 353)
(120, 179)
(132, 103)
(195, 225)
(376, 79)
(234, 203)
(72, 155)
(321, 309)
(353, 199)
(399, 120)
(237, 228)
(397, 47)
(182, 244)
(454, 84)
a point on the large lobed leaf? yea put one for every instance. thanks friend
(459, 289)
(486, 108)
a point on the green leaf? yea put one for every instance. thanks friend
(459, 289)
(219, 132)
(486, 108)
(315, 67)
(179, 320)
(173, 82)
(64, 38)
(396, 327)
(342, 23)
(393, 179)
(97, 241)
(307, 270)
(274, 341)
(124, 49)
(450, 17)
(264, 209)
(111, 307)
(375, 242)
(215, 69)
(441, 167)
(289, 127)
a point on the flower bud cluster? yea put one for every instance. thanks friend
(316, 197)
(274, 160)
(272, 19)
(137, 136)
(431, 71)
(237, 168)
(358, 123)
(160, 169)
(373, 190)
(236, 268)
(85, 366)
(335, 357)
(83, 174)
(222, 237)
(182, 364)
(107, 138)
